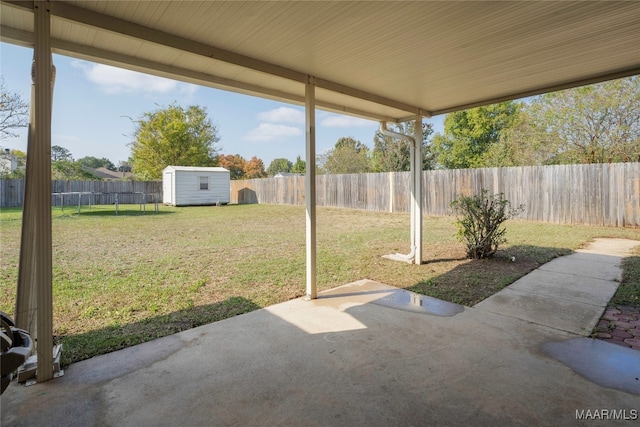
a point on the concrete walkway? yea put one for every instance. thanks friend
(366, 354)
(569, 293)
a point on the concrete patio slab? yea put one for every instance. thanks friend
(586, 290)
(559, 313)
(569, 293)
(582, 354)
(597, 257)
(351, 357)
(593, 266)
(616, 247)
(332, 361)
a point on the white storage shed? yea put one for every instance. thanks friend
(191, 185)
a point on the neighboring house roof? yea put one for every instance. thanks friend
(196, 169)
(283, 174)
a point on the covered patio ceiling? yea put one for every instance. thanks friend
(382, 60)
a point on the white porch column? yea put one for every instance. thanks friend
(310, 186)
(35, 270)
(416, 191)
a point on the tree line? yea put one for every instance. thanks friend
(590, 124)
(63, 165)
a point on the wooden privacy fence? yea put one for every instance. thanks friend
(597, 194)
(104, 192)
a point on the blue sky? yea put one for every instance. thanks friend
(93, 105)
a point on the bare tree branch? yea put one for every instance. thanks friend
(14, 112)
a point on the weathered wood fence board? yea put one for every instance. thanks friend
(600, 194)
(12, 192)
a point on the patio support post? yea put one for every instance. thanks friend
(310, 186)
(34, 293)
(416, 190)
(25, 314)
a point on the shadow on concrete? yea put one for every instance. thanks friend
(331, 361)
(475, 280)
(247, 370)
(116, 337)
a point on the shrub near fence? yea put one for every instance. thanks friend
(12, 192)
(597, 194)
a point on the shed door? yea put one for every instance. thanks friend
(167, 187)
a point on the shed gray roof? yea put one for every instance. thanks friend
(195, 169)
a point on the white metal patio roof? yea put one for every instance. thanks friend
(381, 60)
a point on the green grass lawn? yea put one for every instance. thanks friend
(120, 280)
(628, 292)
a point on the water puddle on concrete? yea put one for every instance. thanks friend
(410, 301)
(605, 364)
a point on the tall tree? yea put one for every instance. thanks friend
(279, 165)
(597, 123)
(59, 153)
(525, 144)
(65, 169)
(173, 136)
(14, 112)
(593, 124)
(299, 166)
(470, 133)
(234, 163)
(95, 163)
(254, 168)
(347, 156)
(393, 155)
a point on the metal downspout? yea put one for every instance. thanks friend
(409, 258)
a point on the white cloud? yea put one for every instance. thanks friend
(114, 80)
(337, 121)
(273, 129)
(282, 115)
(270, 132)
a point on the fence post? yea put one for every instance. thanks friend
(391, 191)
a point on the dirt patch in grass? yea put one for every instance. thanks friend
(120, 280)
